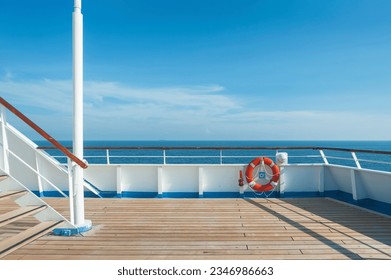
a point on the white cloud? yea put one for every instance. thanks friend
(117, 111)
(8, 75)
(44, 94)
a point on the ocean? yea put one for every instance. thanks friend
(199, 156)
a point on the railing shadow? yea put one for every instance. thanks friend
(334, 220)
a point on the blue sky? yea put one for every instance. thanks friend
(203, 70)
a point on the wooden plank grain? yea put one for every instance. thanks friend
(314, 228)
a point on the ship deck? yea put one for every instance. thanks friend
(310, 228)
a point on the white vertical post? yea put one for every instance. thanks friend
(78, 174)
(221, 156)
(356, 160)
(282, 183)
(107, 156)
(5, 139)
(71, 193)
(241, 188)
(164, 156)
(321, 179)
(323, 157)
(38, 169)
(160, 181)
(353, 183)
(200, 181)
(119, 181)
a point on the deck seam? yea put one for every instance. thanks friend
(203, 229)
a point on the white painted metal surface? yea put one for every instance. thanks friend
(356, 160)
(297, 178)
(192, 178)
(38, 171)
(28, 199)
(4, 140)
(78, 146)
(281, 158)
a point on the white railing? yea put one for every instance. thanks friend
(232, 155)
(39, 174)
(33, 169)
(24, 156)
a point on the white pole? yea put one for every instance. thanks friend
(78, 176)
(5, 139)
(71, 195)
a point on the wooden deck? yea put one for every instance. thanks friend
(314, 228)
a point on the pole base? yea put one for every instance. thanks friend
(73, 231)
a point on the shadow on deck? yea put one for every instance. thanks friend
(310, 228)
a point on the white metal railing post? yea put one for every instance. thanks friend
(353, 184)
(356, 160)
(39, 178)
(36, 172)
(164, 156)
(221, 156)
(200, 181)
(71, 192)
(107, 156)
(4, 139)
(323, 157)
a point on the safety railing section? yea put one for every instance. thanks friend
(40, 131)
(19, 151)
(15, 147)
(357, 158)
(32, 168)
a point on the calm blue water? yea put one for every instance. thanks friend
(231, 156)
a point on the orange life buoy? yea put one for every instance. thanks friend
(273, 181)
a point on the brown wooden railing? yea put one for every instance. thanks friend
(43, 133)
(227, 148)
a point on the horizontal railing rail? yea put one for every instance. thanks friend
(43, 133)
(38, 174)
(226, 148)
(224, 154)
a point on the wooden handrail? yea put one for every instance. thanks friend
(228, 148)
(43, 133)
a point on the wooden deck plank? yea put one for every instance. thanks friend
(8, 194)
(19, 213)
(305, 249)
(24, 237)
(189, 257)
(314, 228)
